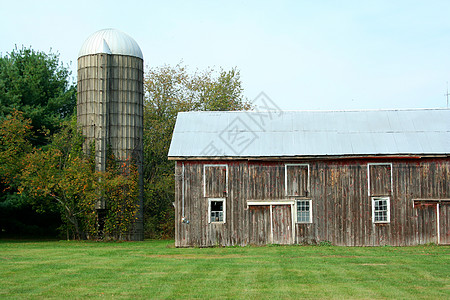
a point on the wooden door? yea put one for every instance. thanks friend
(259, 224)
(427, 223)
(444, 223)
(281, 224)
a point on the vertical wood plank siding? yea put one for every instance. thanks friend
(298, 183)
(282, 223)
(215, 181)
(444, 229)
(259, 225)
(266, 181)
(380, 179)
(341, 205)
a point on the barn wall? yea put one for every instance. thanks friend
(199, 232)
(341, 202)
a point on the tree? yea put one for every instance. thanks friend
(63, 177)
(120, 188)
(15, 132)
(39, 85)
(170, 90)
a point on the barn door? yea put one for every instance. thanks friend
(444, 223)
(281, 224)
(427, 223)
(433, 220)
(259, 225)
(270, 224)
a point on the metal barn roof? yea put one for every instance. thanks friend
(110, 41)
(311, 133)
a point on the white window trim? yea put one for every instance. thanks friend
(368, 175)
(282, 202)
(388, 199)
(224, 210)
(310, 211)
(204, 176)
(286, 177)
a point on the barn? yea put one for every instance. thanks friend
(353, 178)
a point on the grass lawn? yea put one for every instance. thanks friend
(155, 269)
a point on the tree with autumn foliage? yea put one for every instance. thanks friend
(170, 90)
(15, 213)
(39, 86)
(15, 133)
(119, 187)
(63, 176)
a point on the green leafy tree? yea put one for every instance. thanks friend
(62, 178)
(15, 133)
(170, 90)
(39, 85)
(119, 186)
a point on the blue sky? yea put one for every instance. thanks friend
(303, 54)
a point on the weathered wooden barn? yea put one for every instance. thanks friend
(355, 178)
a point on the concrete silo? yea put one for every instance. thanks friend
(110, 102)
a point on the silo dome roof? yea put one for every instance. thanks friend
(110, 41)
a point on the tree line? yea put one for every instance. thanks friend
(50, 186)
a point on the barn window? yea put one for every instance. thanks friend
(381, 210)
(215, 180)
(216, 210)
(379, 179)
(304, 211)
(297, 179)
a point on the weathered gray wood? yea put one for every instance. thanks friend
(259, 225)
(342, 207)
(266, 181)
(297, 180)
(380, 179)
(215, 181)
(282, 224)
(444, 223)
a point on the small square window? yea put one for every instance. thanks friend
(381, 210)
(216, 211)
(304, 211)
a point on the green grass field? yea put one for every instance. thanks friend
(155, 269)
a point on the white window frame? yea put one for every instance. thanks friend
(388, 214)
(286, 178)
(224, 210)
(310, 211)
(204, 176)
(368, 176)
